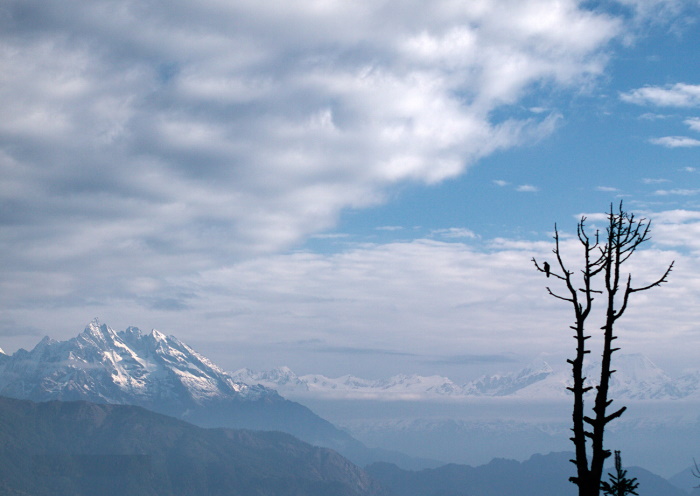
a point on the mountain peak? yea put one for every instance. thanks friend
(98, 333)
(126, 367)
(157, 335)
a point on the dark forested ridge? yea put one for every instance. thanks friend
(541, 475)
(80, 448)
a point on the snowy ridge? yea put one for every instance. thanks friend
(637, 378)
(106, 366)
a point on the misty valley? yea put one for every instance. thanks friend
(125, 412)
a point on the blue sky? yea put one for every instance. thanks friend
(341, 187)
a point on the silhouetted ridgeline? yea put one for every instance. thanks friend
(86, 449)
(541, 475)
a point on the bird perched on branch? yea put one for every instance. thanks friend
(546, 268)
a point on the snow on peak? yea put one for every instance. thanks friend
(636, 378)
(98, 334)
(126, 367)
(157, 335)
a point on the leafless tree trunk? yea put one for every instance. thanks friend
(601, 257)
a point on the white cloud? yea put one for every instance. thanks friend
(675, 142)
(676, 95)
(527, 188)
(607, 189)
(500, 182)
(679, 192)
(417, 299)
(154, 140)
(653, 116)
(693, 123)
(331, 236)
(455, 232)
(656, 10)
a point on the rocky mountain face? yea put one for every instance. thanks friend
(159, 373)
(84, 449)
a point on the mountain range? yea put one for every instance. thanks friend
(540, 475)
(509, 415)
(79, 448)
(637, 377)
(159, 373)
(497, 415)
(84, 449)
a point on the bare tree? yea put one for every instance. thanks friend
(603, 257)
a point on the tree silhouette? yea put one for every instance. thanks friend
(603, 257)
(619, 484)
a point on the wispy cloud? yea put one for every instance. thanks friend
(455, 232)
(675, 142)
(649, 116)
(693, 123)
(351, 350)
(675, 95)
(430, 295)
(331, 236)
(471, 359)
(678, 192)
(607, 189)
(527, 188)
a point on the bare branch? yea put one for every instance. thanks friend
(659, 282)
(548, 272)
(560, 297)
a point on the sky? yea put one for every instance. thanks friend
(344, 187)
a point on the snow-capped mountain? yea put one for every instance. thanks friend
(105, 366)
(286, 381)
(637, 377)
(159, 373)
(397, 387)
(507, 384)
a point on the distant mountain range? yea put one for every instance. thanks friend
(162, 374)
(510, 415)
(86, 449)
(83, 449)
(541, 475)
(637, 377)
(165, 375)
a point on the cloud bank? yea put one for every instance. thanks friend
(168, 138)
(158, 158)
